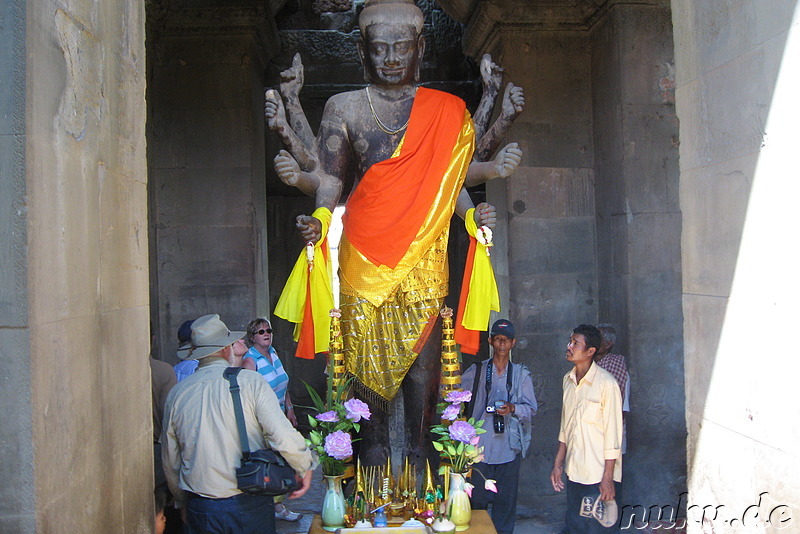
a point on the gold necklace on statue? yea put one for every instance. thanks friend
(379, 122)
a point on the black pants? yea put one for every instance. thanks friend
(504, 502)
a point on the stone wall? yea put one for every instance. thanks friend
(592, 220)
(737, 85)
(17, 496)
(76, 391)
(549, 222)
(207, 166)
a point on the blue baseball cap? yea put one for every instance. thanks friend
(503, 327)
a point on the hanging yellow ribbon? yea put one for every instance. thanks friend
(315, 285)
(483, 296)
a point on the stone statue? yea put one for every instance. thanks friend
(411, 150)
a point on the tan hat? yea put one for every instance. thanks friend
(606, 512)
(209, 335)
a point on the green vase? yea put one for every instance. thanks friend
(458, 506)
(333, 507)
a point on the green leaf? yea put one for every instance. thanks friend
(438, 446)
(460, 448)
(451, 450)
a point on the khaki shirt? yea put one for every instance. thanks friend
(591, 425)
(200, 439)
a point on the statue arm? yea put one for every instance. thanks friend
(334, 152)
(275, 114)
(484, 215)
(491, 76)
(291, 83)
(513, 104)
(502, 166)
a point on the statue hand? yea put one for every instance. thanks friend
(513, 101)
(286, 168)
(491, 73)
(292, 79)
(507, 160)
(310, 228)
(485, 215)
(274, 111)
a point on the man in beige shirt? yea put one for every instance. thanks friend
(590, 437)
(201, 448)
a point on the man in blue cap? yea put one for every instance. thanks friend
(503, 396)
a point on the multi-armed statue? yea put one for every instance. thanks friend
(413, 153)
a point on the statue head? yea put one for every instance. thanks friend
(391, 45)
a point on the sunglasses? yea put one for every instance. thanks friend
(262, 331)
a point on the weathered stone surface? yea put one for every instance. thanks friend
(650, 161)
(17, 500)
(737, 130)
(553, 302)
(551, 192)
(555, 128)
(184, 190)
(13, 216)
(713, 201)
(335, 6)
(644, 50)
(552, 246)
(654, 244)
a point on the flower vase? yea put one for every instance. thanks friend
(333, 507)
(458, 506)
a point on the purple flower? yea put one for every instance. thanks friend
(356, 410)
(338, 445)
(451, 412)
(458, 396)
(462, 431)
(328, 417)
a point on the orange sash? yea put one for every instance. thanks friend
(390, 204)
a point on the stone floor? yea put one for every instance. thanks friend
(535, 515)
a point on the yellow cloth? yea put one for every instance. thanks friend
(591, 425)
(291, 303)
(384, 310)
(483, 296)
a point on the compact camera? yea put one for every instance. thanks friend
(498, 422)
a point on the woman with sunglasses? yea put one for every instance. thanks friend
(262, 358)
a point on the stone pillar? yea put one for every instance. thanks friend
(738, 77)
(545, 252)
(638, 236)
(17, 494)
(76, 439)
(207, 166)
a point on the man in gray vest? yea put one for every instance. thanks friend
(503, 397)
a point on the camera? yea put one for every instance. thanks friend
(499, 424)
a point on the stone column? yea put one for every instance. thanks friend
(545, 252)
(638, 236)
(207, 165)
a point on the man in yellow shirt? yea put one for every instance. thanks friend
(590, 437)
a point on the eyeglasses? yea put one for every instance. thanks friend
(262, 331)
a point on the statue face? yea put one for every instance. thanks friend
(391, 54)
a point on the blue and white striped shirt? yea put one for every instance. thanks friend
(272, 371)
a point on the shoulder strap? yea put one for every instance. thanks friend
(230, 375)
(475, 382)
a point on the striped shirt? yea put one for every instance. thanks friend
(272, 371)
